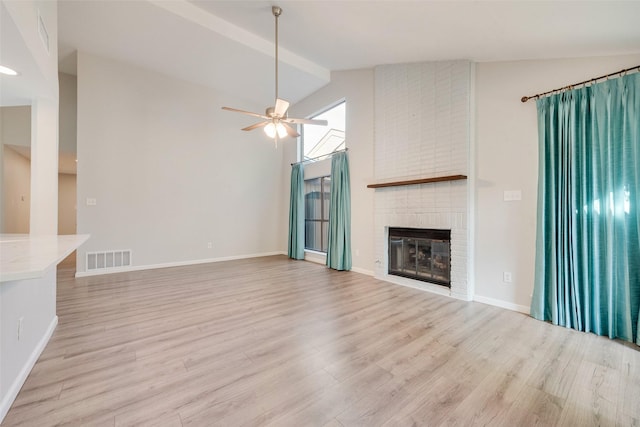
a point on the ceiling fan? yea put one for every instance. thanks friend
(277, 123)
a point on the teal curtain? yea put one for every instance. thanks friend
(588, 236)
(339, 242)
(296, 212)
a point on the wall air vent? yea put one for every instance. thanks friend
(108, 260)
(42, 31)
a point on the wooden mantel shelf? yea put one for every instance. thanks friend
(418, 181)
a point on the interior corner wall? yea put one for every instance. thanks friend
(169, 170)
(507, 159)
(357, 88)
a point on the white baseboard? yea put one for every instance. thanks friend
(173, 264)
(14, 388)
(428, 287)
(363, 271)
(502, 304)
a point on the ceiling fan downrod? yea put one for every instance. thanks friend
(276, 122)
(277, 11)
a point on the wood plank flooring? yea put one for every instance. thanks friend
(270, 341)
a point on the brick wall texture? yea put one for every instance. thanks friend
(422, 125)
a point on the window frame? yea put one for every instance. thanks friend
(314, 116)
(324, 222)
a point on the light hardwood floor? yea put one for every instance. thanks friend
(270, 341)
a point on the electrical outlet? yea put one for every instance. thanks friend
(506, 277)
(209, 245)
(20, 320)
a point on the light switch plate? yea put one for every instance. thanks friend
(512, 195)
(91, 202)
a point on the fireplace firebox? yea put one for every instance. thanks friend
(421, 254)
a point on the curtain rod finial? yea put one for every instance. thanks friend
(524, 99)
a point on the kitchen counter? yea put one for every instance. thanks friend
(23, 256)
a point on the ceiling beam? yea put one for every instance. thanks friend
(193, 13)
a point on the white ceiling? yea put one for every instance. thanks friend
(21, 89)
(358, 34)
(229, 44)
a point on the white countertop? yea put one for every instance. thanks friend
(23, 256)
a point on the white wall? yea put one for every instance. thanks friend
(507, 159)
(15, 125)
(15, 134)
(67, 203)
(170, 170)
(16, 179)
(506, 152)
(67, 195)
(44, 167)
(33, 301)
(356, 87)
(26, 14)
(43, 92)
(68, 113)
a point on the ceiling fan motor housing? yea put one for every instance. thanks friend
(270, 112)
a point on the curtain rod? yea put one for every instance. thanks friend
(319, 157)
(593, 80)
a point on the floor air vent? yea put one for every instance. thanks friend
(108, 260)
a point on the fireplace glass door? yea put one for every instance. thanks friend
(419, 255)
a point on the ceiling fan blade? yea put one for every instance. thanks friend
(256, 126)
(306, 121)
(281, 107)
(249, 113)
(290, 130)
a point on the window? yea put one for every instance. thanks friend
(319, 141)
(317, 194)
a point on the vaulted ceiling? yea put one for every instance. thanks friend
(229, 44)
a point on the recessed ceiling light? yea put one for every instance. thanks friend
(8, 71)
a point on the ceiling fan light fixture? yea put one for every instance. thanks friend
(272, 129)
(282, 131)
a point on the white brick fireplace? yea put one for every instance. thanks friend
(423, 120)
